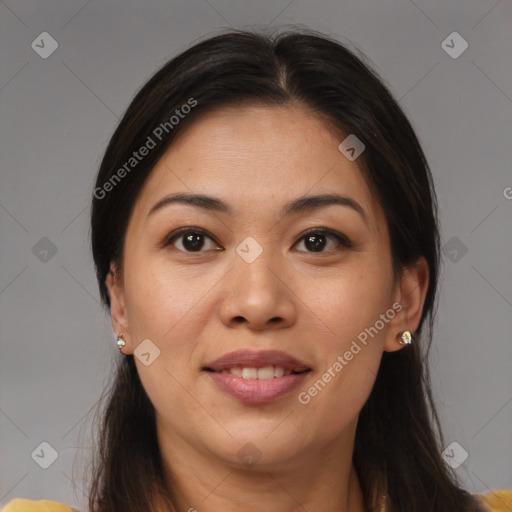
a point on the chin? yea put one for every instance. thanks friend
(259, 449)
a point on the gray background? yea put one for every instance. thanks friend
(58, 114)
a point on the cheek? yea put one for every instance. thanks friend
(349, 362)
(169, 305)
(163, 300)
(338, 402)
(348, 301)
(349, 306)
(165, 307)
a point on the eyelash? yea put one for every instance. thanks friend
(343, 240)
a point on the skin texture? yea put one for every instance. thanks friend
(196, 306)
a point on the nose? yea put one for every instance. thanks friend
(258, 295)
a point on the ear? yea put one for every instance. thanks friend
(410, 293)
(119, 317)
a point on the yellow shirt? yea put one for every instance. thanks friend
(496, 501)
(22, 505)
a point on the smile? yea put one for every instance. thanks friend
(257, 377)
(267, 372)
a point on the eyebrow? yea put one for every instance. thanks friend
(300, 205)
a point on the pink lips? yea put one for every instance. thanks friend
(257, 391)
(257, 359)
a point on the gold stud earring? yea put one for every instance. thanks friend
(120, 341)
(405, 338)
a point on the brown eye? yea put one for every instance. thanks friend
(318, 240)
(191, 240)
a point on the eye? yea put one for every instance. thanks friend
(194, 239)
(317, 240)
(191, 239)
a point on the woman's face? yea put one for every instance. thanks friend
(247, 274)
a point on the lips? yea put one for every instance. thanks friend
(257, 377)
(257, 359)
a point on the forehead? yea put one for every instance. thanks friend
(248, 155)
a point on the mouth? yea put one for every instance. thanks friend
(252, 364)
(262, 373)
(257, 377)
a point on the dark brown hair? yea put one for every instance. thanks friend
(398, 439)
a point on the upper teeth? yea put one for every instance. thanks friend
(267, 372)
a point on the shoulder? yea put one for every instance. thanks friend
(497, 501)
(23, 505)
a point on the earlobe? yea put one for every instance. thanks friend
(411, 294)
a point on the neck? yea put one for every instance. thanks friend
(321, 479)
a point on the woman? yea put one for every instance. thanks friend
(265, 237)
